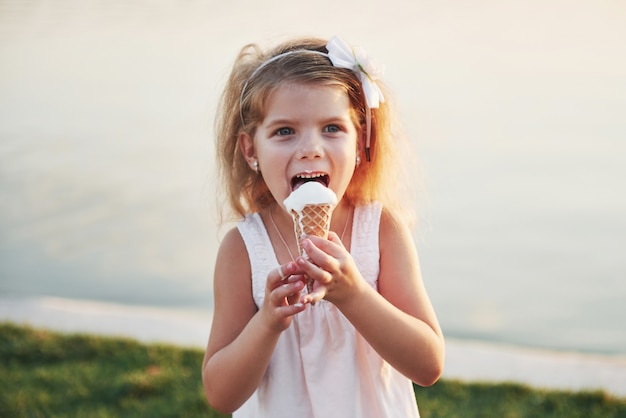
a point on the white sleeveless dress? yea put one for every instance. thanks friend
(321, 366)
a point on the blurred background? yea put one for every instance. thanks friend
(517, 110)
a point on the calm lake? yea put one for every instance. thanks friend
(517, 109)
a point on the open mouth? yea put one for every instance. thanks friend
(302, 178)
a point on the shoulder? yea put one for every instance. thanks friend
(232, 278)
(392, 225)
(232, 258)
(235, 238)
(232, 241)
(395, 235)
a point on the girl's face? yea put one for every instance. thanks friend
(307, 133)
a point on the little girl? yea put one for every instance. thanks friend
(312, 110)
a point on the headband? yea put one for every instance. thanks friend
(341, 55)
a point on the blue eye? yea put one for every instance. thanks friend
(284, 131)
(332, 129)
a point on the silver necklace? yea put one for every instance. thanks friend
(345, 227)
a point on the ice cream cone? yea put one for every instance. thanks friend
(312, 220)
(311, 206)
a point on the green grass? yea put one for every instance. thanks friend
(46, 374)
(509, 400)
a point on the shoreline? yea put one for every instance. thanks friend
(466, 360)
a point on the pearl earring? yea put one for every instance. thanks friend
(358, 161)
(256, 166)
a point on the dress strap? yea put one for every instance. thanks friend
(260, 253)
(365, 241)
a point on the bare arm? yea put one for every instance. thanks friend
(399, 322)
(243, 338)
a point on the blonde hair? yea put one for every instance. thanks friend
(242, 110)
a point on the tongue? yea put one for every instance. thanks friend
(299, 182)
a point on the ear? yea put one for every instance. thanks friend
(246, 145)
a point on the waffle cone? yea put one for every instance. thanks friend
(313, 220)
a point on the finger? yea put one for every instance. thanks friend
(280, 274)
(318, 294)
(310, 269)
(311, 248)
(283, 294)
(319, 264)
(290, 310)
(334, 238)
(294, 298)
(316, 246)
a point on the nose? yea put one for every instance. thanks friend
(310, 145)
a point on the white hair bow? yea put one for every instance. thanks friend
(357, 60)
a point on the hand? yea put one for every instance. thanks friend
(282, 296)
(330, 265)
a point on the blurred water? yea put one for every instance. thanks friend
(106, 188)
